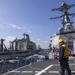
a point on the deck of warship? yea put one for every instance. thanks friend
(45, 67)
(51, 66)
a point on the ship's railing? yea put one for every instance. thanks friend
(8, 65)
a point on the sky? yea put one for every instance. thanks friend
(31, 17)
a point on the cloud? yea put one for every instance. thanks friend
(45, 41)
(29, 31)
(10, 38)
(18, 27)
(38, 39)
(15, 26)
(7, 39)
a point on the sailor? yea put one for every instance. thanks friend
(63, 58)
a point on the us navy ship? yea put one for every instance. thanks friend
(18, 48)
(67, 32)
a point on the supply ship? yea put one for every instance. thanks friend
(18, 48)
(45, 62)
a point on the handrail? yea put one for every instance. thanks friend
(3, 67)
(26, 61)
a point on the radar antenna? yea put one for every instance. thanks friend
(66, 19)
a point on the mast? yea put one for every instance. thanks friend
(67, 24)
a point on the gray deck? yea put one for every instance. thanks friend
(46, 67)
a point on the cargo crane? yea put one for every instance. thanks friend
(67, 32)
(2, 45)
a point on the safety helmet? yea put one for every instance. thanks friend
(61, 41)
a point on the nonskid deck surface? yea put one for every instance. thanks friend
(46, 67)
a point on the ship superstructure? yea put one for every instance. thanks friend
(22, 44)
(67, 32)
(18, 48)
(18, 44)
